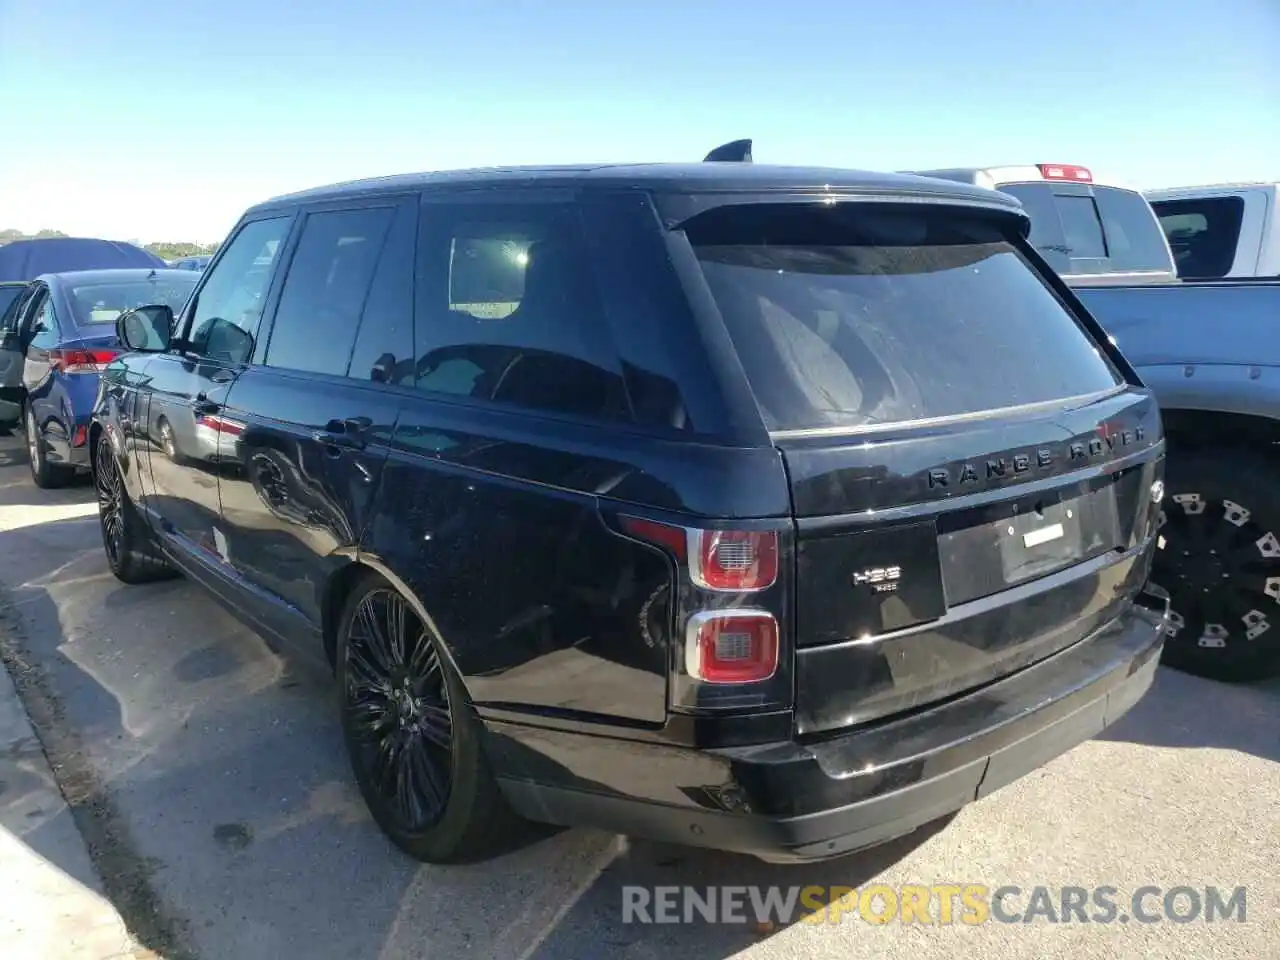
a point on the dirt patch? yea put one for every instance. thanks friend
(126, 876)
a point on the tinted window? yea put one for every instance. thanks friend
(1203, 234)
(1135, 242)
(384, 345)
(325, 290)
(511, 313)
(853, 316)
(101, 303)
(229, 306)
(1081, 227)
(44, 325)
(9, 297)
(1046, 228)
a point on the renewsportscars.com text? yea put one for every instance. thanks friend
(936, 904)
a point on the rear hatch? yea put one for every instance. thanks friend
(971, 471)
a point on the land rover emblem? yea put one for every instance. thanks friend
(879, 579)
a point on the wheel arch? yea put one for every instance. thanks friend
(338, 589)
(1189, 428)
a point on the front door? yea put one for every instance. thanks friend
(12, 299)
(318, 411)
(186, 437)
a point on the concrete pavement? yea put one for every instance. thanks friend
(210, 781)
(53, 907)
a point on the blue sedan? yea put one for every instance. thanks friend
(63, 335)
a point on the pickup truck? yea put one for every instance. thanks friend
(1210, 352)
(1221, 231)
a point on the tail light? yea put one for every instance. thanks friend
(731, 646)
(1065, 171)
(220, 424)
(81, 361)
(733, 561)
(730, 600)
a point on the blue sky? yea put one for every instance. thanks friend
(165, 120)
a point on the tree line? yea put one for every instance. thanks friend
(165, 250)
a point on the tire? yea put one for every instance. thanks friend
(45, 475)
(131, 552)
(461, 815)
(1219, 558)
(167, 441)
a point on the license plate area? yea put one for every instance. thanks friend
(1027, 540)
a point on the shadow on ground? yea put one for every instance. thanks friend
(1184, 711)
(207, 776)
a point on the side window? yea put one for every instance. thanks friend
(384, 344)
(44, 325)
(324, 293)
(509, 311)
(1203, 234)
(228, 308)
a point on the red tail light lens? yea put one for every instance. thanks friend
(81, 361)
(221, 425)
(737, 560)
(731, 646)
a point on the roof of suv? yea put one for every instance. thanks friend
(703, 177)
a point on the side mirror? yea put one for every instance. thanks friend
(146, 329)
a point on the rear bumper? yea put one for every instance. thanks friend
(797, 801)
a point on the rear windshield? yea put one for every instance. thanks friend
(103, 301)
(1091, 229)
(854, 316)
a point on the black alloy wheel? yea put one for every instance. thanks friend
(415, 745)
(397, 710)
(131, 553)
(1218, 556)
(110, 489)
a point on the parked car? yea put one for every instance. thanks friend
(1092, 230)
(1209, 353)
(190, 263)
(28, 259)
(1222, 231)
(59, 338)
(10, 400)
(746, 507)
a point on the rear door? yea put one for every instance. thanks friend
(969, 468)
(313, 420)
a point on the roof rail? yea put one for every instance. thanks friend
(736, 151)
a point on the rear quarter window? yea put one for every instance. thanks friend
(859, 316)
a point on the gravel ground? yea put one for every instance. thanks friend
(206, 774)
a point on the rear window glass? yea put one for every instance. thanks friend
(853, 316)
(102, 302)
(1135, 241)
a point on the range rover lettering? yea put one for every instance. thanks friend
(749, 507)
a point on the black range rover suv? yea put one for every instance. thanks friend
(774, 510)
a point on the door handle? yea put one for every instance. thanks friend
(202, 405)
(348, 434)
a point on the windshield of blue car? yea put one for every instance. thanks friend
(101, 302)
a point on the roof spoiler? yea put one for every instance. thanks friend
(736, 151)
